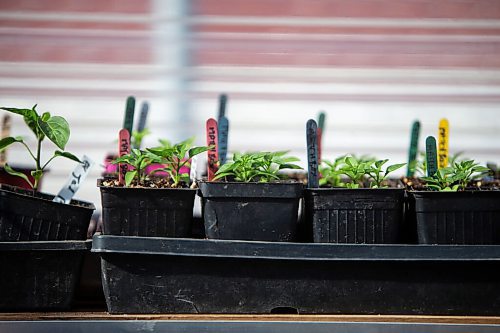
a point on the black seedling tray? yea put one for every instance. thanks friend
(162, 275)
(40, 276)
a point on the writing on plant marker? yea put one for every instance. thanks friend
(6, 125)
(128, 122)
(312, 154)
(431, 156)
(76, 178)
(123, 149)
(412, 154)
(223, 128)
(212, 142)
(443, 140)
(222, 106)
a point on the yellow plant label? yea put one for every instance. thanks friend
(443, 141)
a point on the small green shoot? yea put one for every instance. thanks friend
(456, 177)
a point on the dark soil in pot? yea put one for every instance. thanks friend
(251, 211)
(27, 216)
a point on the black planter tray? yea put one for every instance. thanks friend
(40, 275)
(162, 275)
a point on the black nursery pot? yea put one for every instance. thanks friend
(361, 216)
(40, 276)
(28, 216)
(467, 217)
(148, 212)
(251, 211)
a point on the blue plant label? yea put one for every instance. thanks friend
(128, 121)
(431, 156)
(75, 180)
(222, 106)
(413, 150)
(223, 126)
(143, 116)
(312, 154)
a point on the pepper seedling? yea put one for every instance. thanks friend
(55, 128)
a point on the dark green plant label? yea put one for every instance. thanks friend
(128, 121)
(143, 117)
(223, 128)
(321, 121)
(212, 141)
(412, 152)
(431, 155)
(123, 149)
(222, 106)
(312, 154)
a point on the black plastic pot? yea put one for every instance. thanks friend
(371, 216)
(160, 275)
(467, 217)
(40, 276)
(26, 216)
(150, 212)
(251, 211)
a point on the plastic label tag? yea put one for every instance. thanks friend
(76, 178)
(312, 154)
(413, 150)
(123, 149)
(193, 169)
(128, 122)
(223, 128)
(6, 125)
(212, 140)
(431, 156)
(143, 117)
(319, 140)
(222, 106)
(443, 140)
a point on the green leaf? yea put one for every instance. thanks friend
(394, 167)
(56, 129)
(379, 164)
(13, 172)
(22, 112)
(67, 155)
(5, 142)
(197, 150)
(129, 177)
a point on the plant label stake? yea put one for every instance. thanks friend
(443, 139)
(312, 154)
(431, 156)
(222, 106)
(321, 129)
(6, 125)
(75, 179)
(124, 149)
(223, 128)
(321, 121)
(143, 117)
(128, 122)
(212, 141)
(412, 152)
(193, 169)
(319, 134)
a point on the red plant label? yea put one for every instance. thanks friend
(212, 141)
(124, 149)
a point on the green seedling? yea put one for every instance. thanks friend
(331, 173)
(257, 167)
(139, 160)
(378, 175)
(456, 177)
(55, 128)
(175, 157)
(137, 137)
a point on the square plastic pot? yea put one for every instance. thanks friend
(161, 275)
(251, 211)
(40, 276)
(149, 212)
(361, 216)
(467, 217)
(28, 217)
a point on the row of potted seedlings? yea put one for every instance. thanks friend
(151, 265)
